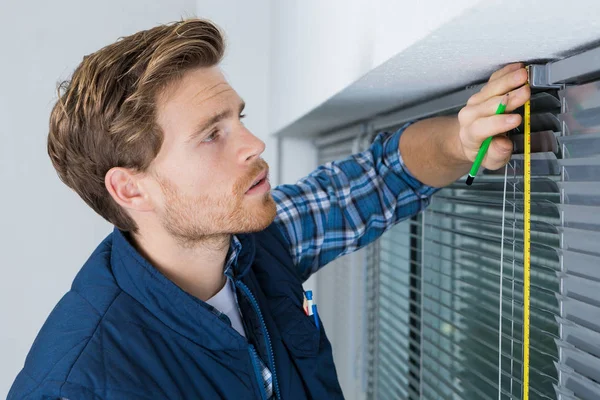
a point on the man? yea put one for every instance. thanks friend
(197, 293)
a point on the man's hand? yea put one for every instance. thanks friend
(478, 120)
(437, 151)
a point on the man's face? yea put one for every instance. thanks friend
(203, 176)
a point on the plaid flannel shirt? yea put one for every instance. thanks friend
(347, 204)
(343, 206)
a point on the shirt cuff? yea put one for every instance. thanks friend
(393, 159)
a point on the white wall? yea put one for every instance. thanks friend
(47, 232)
(320, 47)
(246, 64)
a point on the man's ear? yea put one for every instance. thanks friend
(125, 188)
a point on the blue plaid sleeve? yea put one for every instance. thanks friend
(346, 204)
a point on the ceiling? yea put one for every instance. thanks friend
(464, 51)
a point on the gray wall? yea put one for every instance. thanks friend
(47, 231)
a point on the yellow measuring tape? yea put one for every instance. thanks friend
(527, 247)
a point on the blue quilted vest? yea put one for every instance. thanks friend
(124, 331)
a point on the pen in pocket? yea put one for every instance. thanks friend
(312, 307)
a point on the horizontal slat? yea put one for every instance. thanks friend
(487, 303)
(490, 284)
(542, 228)
(542, 293)
(495, 199)
(581, 313)
(491, 363)
(432, 378)
(391, 384)
(491, 262)
(580, 146)
(397, 295)
(481, 238)
(544, 263)
(542, 257)
(544, 211)
(546, 101)
(489, 298)
(581, 240)
(540, 142)
(494, 186)
(581, 121)
(488, 336)
(581, 97)
(581, 169)
(398, 384)
(476, 363)
(396, 277)
(491, 207)
(431, 390)
(584, 290)
(542, 165)
(581, 362)
(544, 121)
(389, 301)
(403, 242)
(474, 321)
(581, 264)
(542, 260)
(583, 217)
(388, 346)
(542, 284)
(581, 337)
(389, 270)
(460, 383)
(582, 387)
(389, 339)
(397, 345)
(581, 193)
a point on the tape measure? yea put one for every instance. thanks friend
(526, 246)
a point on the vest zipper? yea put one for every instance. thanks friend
(263, 326)
(258, 372)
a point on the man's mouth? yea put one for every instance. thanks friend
(260, 179)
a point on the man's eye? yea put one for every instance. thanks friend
(242, 116)
(214, 135)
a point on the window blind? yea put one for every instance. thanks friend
(481, 273)
(439, 287)
(460, 336)
(579, 298)
(443, 305)
(394, 317)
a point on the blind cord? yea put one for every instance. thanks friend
(501, 287)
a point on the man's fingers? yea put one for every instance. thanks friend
(498, 153)
(479, 121)
(500, 86)
(516, 99)
(506, 70)
(493, 125)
